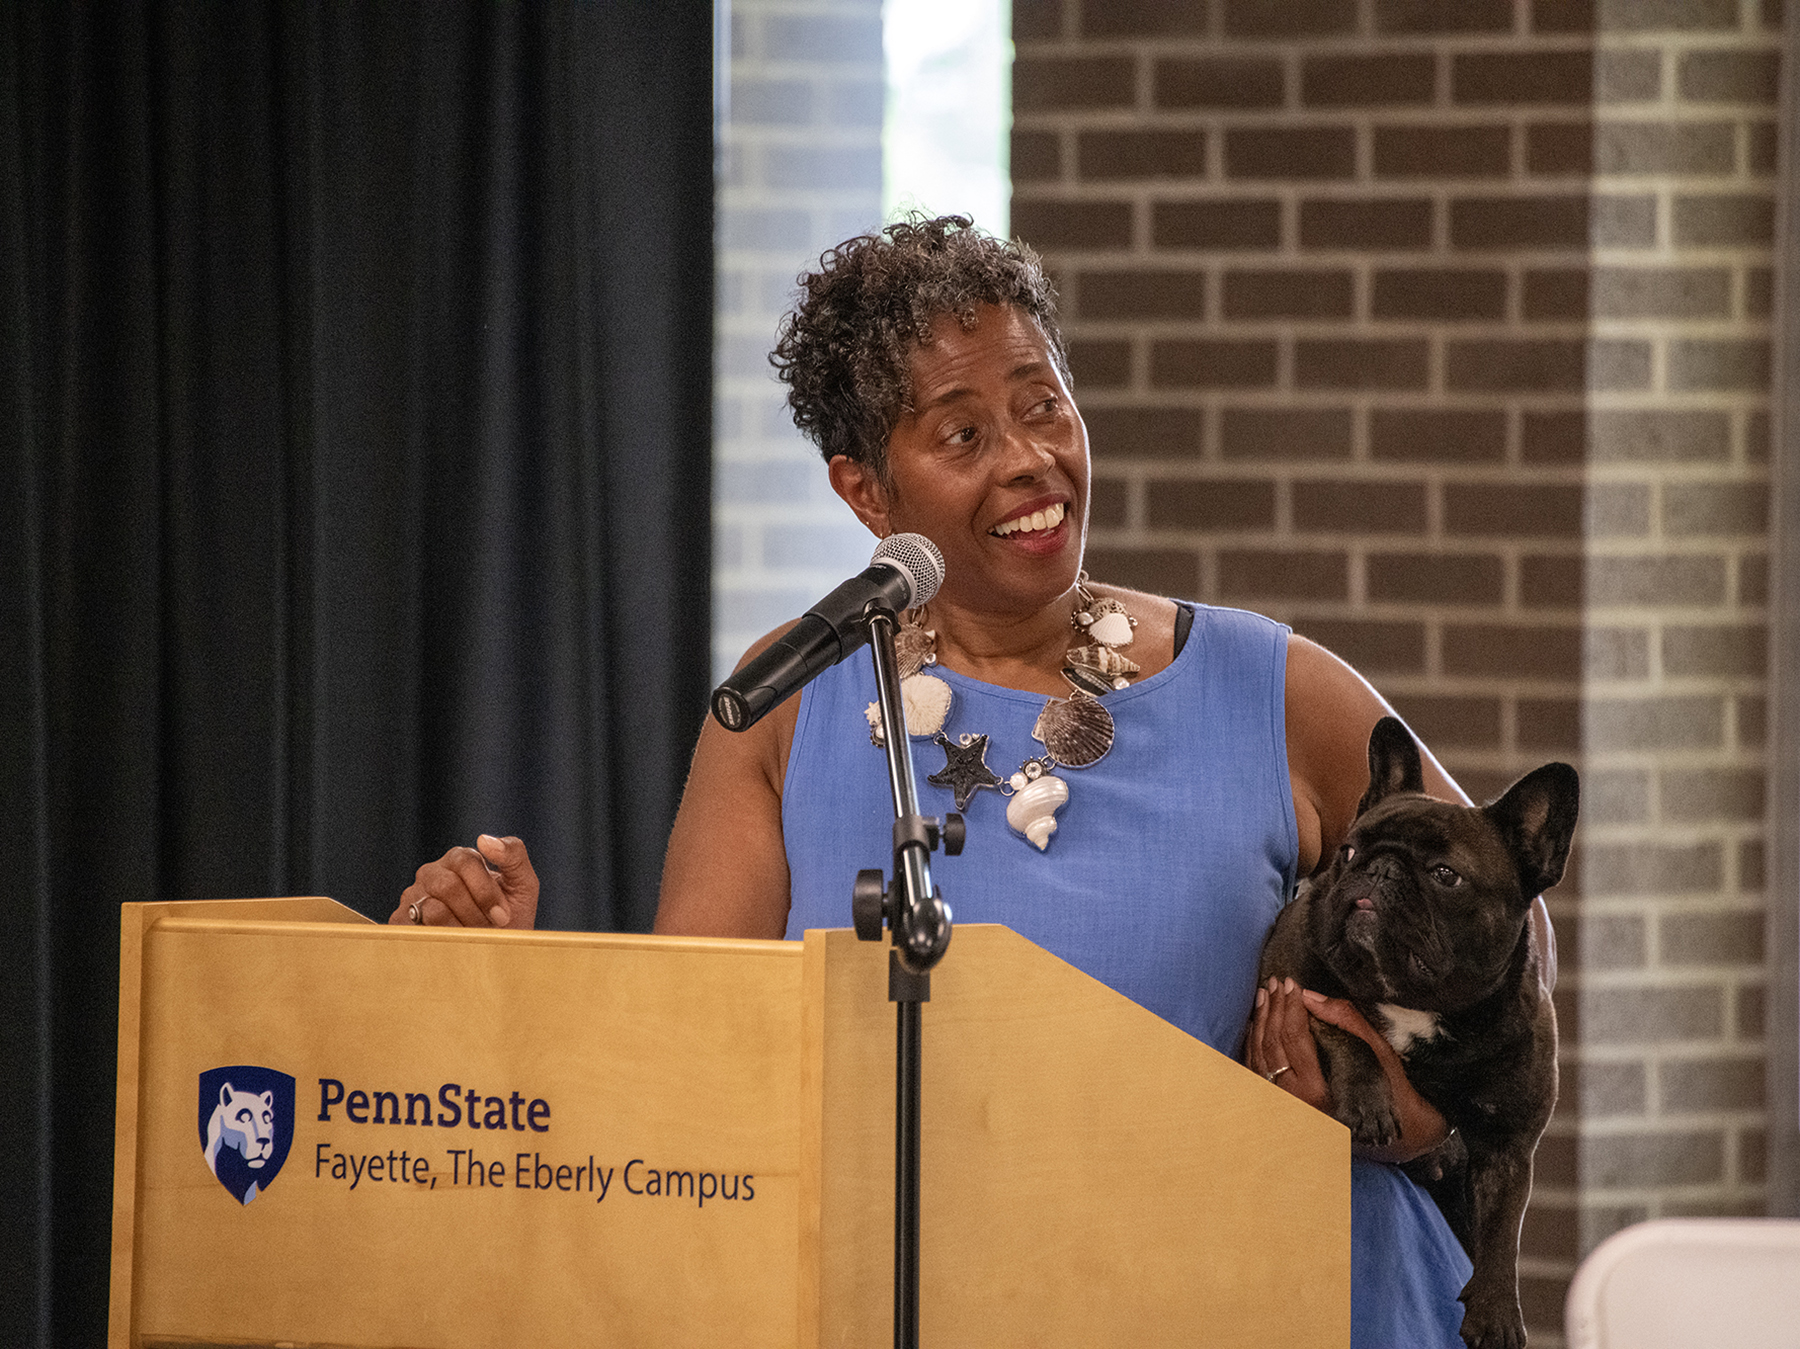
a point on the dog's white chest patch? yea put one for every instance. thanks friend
(1404, 1026)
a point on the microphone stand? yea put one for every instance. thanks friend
(915, 912)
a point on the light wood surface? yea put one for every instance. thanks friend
(134, 919)
(682, 1055)
(1092, 1175)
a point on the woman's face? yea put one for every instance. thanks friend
(991, 465)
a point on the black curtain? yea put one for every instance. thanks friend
(355, 402)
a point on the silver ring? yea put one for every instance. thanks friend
(1279, 1071)
(416, 912)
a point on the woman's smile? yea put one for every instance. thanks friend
(1032, 521)
(990, 462)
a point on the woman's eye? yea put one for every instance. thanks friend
(962, 436)
(1445, 876)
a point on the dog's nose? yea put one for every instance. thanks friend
(1386, 868)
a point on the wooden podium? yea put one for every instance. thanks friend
(686, 1142)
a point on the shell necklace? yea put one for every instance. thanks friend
(1075, 732)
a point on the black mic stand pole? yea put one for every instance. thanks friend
(920, 921)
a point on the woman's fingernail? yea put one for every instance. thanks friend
(1288, 984)
(1261, 997)
(1311, 996)
(498, 915)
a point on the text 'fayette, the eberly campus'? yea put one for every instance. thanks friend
(458, 1105)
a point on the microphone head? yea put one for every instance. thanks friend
(918, 557)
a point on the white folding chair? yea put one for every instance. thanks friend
(1690, 1283)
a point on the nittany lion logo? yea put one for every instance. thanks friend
(246, 1126)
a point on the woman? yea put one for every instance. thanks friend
(927, 365)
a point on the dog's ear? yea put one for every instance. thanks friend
(1536, 817)
(1393, 763)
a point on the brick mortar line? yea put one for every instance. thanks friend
(1418, 400)
(1670, 978)
(1684, 761)
(1673, 761)
(1652, 330)
(1659, 1202)
(1633, 1126)
(1616, 1056)
(1518, 177)
(1419, 116)
(1511, 263)
(1263, 397)
(1721, 1120)
(1676, 41)
(1676, 1191)
(1655, 974)
(1154, 327)
(1217, 122)
(1688, 546)
(1508, 185)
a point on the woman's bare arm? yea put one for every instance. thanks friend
(726, 872)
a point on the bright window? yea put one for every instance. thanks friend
(949, 109)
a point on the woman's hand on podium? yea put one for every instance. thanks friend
(489, 885)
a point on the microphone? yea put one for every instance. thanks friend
(906, 571)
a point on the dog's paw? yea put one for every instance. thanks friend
(1371, 1118)
(1492, 1323)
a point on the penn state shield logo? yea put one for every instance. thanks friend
(246, 1126)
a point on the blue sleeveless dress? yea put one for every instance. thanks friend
(1166, 871)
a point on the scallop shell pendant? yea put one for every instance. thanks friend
(1077, 731)
(1110, 624)
(1032, 809)
(1111, 630)
(914, 648)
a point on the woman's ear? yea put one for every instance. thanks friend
(862, 491)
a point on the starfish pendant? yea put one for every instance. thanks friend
(965, 768)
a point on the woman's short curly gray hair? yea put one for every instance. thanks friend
(845, 350)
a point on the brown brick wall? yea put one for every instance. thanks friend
(1441, 331)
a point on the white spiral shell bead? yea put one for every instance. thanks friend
(1032, 811)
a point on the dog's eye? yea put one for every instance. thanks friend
(1446, 877)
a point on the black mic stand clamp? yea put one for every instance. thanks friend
(915, 912)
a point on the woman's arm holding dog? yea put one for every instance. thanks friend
(1281, 1037)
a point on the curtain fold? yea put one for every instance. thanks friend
(356, 450)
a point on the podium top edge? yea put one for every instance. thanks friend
(396, 932)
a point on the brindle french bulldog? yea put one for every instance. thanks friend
(1423, 920)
